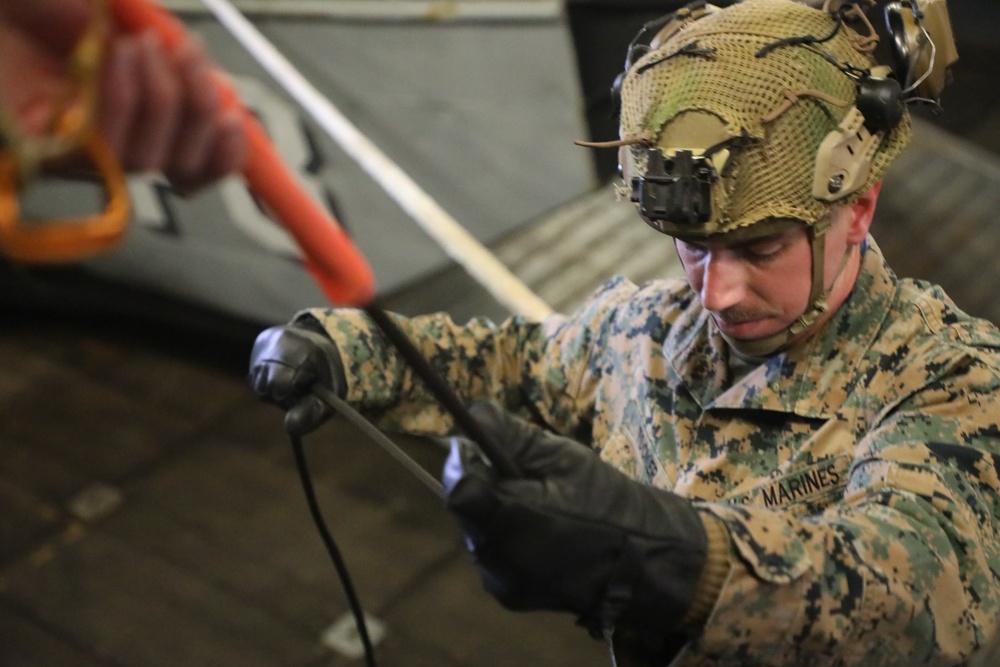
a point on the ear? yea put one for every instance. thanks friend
(861, 214)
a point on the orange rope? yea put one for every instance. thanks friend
(332, 258)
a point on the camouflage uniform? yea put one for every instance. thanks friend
(855, 473)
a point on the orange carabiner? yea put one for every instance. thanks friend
(70, 130)
(332, 258)
(69, 239)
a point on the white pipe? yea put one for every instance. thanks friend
(456, 241)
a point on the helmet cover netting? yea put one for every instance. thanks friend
(711, 66)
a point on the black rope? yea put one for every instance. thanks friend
(692, 49)
(331, 548)
(442, 391)
(803, 39)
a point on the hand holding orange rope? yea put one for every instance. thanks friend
(162, 106)
(79, 94)
(155, 106)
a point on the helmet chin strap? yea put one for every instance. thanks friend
(818, 302)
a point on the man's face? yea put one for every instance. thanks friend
(755, 288)
(758, 287)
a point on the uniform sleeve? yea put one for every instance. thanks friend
(539, 370)
(902, 571)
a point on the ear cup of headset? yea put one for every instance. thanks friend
(899, 45)
(880, 101)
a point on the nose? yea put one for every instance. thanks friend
(723, 282)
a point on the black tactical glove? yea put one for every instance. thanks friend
(285, 362)
(574, 534)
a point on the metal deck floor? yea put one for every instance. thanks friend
(152, 516)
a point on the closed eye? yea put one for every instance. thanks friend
(765, 249)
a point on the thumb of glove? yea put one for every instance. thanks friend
(465, 461)
(470, 484)
(306, 416)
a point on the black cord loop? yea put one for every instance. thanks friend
(332, 550)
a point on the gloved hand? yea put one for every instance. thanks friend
(285, 362)
(574, 534)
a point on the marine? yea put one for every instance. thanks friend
(789, 456)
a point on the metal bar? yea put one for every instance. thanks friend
(389, 10)
(443, 392)
(453, 238)
(343, 408)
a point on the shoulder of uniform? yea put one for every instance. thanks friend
(662, 296)
(654, 306)
(927, 336)
(928, 306)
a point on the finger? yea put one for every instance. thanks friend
(481, 488)
(200, 120)
(156, 124)
(511, 432)
(53, 24)
(231, 148)
(259, 379)
(227, 155)
(306, 416)
(534, 451)
(119, 93)
(275, 382)
(474, 500)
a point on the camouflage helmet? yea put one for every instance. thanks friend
(747, 120)
(752, 113)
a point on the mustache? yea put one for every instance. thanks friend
(739, 315)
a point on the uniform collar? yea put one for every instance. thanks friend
(811, 379)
